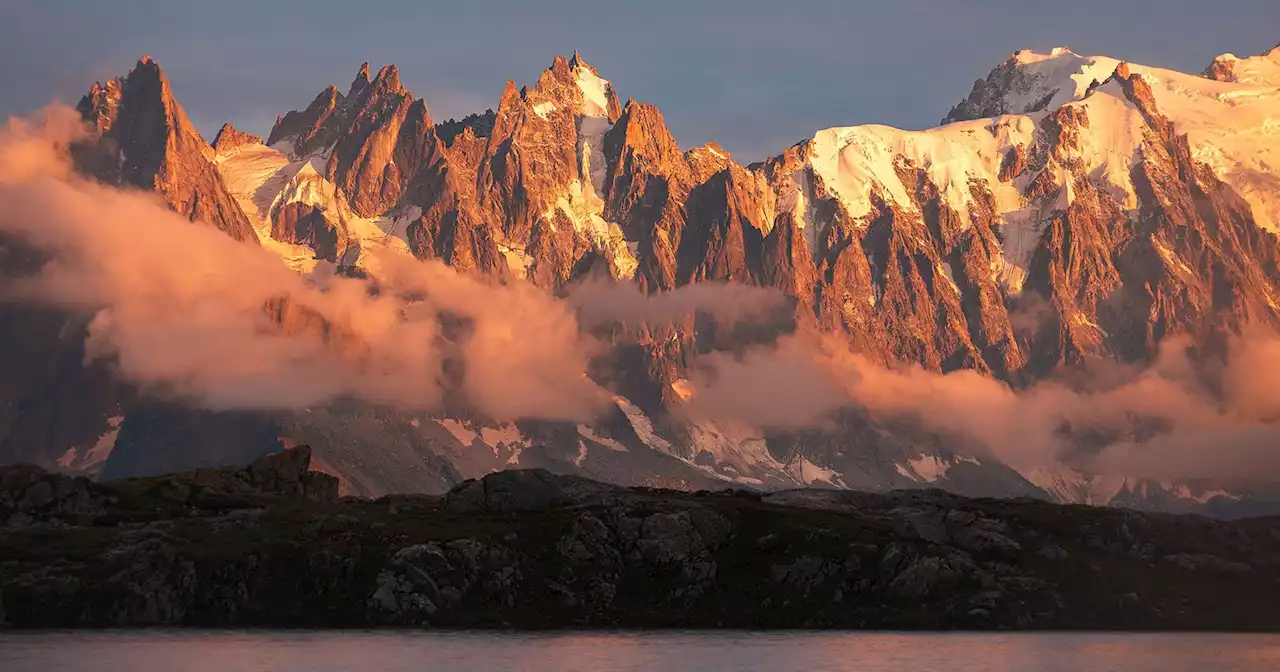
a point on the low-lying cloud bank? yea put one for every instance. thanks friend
(1172, 420)
(185, 311)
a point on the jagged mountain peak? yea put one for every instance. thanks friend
(1031, 81)
(388, 81)
(595, 95)
(229, 138)
(599, 97)
(1261, 69)
(149, 71)
(577, 62)
(714, 149)
(332, 116)
(144, 138)
(360, 82)
(707, 160)
(146, 81)
(638, 111)
(1027, 56)
(300, 128)
(640, 135)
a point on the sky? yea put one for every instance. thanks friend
(754, 75)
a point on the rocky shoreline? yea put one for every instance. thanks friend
(272, 545)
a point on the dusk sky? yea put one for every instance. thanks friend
(754, 75)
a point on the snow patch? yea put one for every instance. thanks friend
(858, 162)
(587, 432)
(926, 468)
(807, 472)
(283, 146)
(544, 108)
(518, 261)
(1069, 486)
(1111, 145)
(1171, 259)
(591, 160)
(1201, 496)
(1060, 72)
(506, 435)
(582, 207)
(946, 272)
(797, 199)
(731, 446)
(465, 435)
(263, 179)
(91, 459)
(642, 426)
(595, 95)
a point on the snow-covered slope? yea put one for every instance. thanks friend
(1031, 81)
(263, 179)
(1233, 125)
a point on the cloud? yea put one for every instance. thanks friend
(184, 310)
(1179, 418)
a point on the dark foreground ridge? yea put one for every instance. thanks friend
(273, 545)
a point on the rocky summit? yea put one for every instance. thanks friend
(273, 545)
(1072, 210)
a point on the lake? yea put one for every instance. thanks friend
(736, 651)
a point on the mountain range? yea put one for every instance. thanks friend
(1074, 214)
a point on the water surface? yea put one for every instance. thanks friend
(320, 651)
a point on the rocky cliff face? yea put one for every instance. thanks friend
(1070, 210)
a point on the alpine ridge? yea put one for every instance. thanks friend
(1071, 210)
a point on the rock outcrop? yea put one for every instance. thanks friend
(32, 495)
(268, 546)
(229, 138)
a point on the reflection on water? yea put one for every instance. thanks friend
(318, 651)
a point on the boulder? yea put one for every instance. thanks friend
(288, 473)
(522, 490)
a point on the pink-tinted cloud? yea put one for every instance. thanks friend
(1221, 427)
